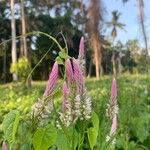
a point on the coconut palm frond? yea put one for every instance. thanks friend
(109, 24)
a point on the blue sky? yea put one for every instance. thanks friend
(128, 17)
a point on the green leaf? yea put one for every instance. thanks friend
(68, 142)
(59, 60)
(44, 137)
(63, 55)
(95, 121)
(92, 137)
(61, 141)
(93, 131)
(25, 147)
(10, 125)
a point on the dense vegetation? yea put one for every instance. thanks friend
(134, 108)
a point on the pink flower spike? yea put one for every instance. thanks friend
(65, 89)
(78, 76)
(52, 80)
(114, 125)
(81, 48)
(114, 91)
(4, 146)
(65, 103)
(69, 71)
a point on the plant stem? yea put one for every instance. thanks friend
(73, 137)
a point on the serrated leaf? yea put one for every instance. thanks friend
(59, 60)
(44, 137)
(92, 137)
(63, 55)
(10, 125)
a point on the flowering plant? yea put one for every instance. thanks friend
(67, 124)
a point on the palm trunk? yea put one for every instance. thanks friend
(140, 4)
(119, 65)
(96, 48)
(113, 59)
(24, 42)
(114, 64)
(13, 33)
(94, 13)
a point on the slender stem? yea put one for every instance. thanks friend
(39, 62)
(65, 42)
(35, 33)
(51, 37)
(73, 137)
(82, 136)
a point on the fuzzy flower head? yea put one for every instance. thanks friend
(69, 71)
(52, 80)
(65, 92)
(4, 146)
(78, 76)
(83, 107)
(112, 111)
(112, 130)
(42, 109)
(65, 115)
(112, 107)
(65, 89)
(81, 48)
(114, 91)
(114, 125)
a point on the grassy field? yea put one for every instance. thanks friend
(133, 101)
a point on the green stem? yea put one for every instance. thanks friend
(82, 137)
(34, 33)
(39, 62)
(73, 137)
(65, 42)
(126, 145)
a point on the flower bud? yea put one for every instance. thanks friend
(52, 80)
(114, 91)
(4, 146)
(78, 76)
(69, 71)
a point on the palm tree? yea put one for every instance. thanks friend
(13, 33)
(94, 14)
(114, 23)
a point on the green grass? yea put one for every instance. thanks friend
(133, 100)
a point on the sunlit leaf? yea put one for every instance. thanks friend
(44, 137)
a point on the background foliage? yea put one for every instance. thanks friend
(134, 108)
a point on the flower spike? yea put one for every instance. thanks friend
(52, 80)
